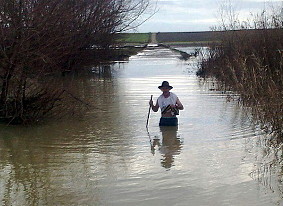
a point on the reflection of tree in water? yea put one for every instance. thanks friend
(268, 166)
(103, 71)
(169, 147)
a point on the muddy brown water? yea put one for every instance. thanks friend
(216, 156)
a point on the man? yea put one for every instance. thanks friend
(169, 104)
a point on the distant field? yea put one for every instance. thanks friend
(134, 37)
(179, 38)
(189, 37)
(170, 38)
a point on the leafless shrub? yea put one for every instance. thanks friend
(41, 38)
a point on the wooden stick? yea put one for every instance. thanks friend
(148, 112)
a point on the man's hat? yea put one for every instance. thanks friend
(165, 84)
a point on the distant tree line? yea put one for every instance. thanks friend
(41, 38)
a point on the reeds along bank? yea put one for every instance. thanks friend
(249, 61)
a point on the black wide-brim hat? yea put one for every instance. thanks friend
(165, 84)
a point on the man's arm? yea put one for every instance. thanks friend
(179, 105)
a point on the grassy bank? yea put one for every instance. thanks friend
(140, 38)
(171, 38)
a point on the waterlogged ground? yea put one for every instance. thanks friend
(215, 157)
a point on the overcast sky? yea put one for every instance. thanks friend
(198, 15)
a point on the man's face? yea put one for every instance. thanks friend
(165, 89)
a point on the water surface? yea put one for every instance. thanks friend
(216, 156)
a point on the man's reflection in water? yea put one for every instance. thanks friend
(169, 147)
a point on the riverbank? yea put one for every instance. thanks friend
(254, 70)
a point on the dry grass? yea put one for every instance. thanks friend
(249, 61)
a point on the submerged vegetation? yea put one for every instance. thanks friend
(249, 61)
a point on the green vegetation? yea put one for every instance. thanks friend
(171, 38)
(134, 37)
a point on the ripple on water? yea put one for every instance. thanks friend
(109, 158)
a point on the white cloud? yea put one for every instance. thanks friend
(197, 15)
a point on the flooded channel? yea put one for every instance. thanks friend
(216, 156)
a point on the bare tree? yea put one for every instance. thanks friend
(41, 38)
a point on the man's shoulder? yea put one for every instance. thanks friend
(173, 94)
(160, 96)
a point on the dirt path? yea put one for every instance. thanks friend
(153, 38)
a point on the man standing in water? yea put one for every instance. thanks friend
(169, 104)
